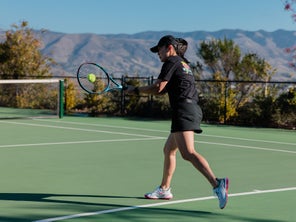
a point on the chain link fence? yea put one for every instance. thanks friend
(251, 103)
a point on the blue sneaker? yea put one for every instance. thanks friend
(222, 192)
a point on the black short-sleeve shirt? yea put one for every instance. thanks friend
(181, 83)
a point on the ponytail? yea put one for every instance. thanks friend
(181, 48)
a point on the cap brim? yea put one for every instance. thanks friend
(154, 49)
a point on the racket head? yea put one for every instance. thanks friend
(99, 84)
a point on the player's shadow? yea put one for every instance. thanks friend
(58, 199)
(134, 216)
(54, 198)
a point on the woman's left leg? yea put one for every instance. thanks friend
(185, 142)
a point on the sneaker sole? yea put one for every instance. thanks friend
(226, 187)
(150, 198)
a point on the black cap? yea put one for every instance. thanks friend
(165, 41)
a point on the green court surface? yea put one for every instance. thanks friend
(98, 169)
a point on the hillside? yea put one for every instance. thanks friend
(130, 53)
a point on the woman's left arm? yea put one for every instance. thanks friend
(154, 89)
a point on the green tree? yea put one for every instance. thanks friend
(252, 69)
(220, 56)
(20, 54)
(20, 58)
(285, 114)
(133, 102)
(225, 64)
(71, 95)
(98, 103)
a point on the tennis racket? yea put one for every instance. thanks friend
(94, 79)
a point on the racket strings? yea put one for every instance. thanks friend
(98, 84)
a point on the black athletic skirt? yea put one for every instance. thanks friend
(186, 116)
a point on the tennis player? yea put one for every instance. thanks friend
(176, 78)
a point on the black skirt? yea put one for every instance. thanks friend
(186, 116)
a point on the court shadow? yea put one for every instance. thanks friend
(85, 206)
(50, 198)
(154, 213)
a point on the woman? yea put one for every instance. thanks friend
(177, 80)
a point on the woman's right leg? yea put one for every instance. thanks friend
(170, 150)
(164, 191)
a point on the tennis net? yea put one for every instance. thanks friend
(31, 98)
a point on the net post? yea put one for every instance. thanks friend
(61, 99)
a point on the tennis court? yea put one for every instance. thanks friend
(98, 169)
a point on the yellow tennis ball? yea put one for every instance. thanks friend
(91, 77)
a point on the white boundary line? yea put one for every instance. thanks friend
(104, 125)
(146, 137)
(78, 142)
(249, 147)
(80, 129)
(141, 139)
(135, 128)
(159, 204)
(166, 131)
(139, 135)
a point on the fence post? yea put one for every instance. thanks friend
(122, 96)
(225, 101)
(151, 96)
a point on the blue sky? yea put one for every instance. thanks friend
(133, 16)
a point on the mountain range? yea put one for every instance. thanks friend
(130, 54)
